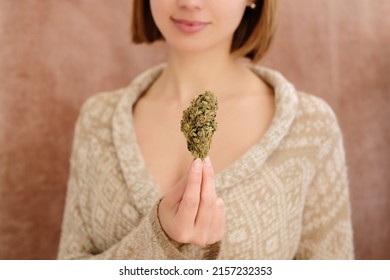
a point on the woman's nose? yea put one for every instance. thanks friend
(191, 4)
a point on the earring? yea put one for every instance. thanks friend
(252, 5)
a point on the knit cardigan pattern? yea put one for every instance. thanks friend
(286, 197)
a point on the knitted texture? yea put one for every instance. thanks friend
(286, 197)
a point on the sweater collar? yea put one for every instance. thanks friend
(138, 178)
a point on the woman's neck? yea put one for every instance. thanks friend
(187, 76)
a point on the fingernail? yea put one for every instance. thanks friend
(197, 165)
(207, 161)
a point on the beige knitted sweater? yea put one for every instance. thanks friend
(285, 198)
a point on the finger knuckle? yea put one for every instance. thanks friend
(208, 201)
(213, 240)
(181, 236)
(200, 240)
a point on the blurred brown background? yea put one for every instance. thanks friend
(54, 54)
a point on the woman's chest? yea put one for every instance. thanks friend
(164, 147)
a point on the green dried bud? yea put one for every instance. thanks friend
(198, 124)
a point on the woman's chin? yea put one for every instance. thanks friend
(187, 47)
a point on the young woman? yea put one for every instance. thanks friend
(274, 185)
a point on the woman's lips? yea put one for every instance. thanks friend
(189, 26)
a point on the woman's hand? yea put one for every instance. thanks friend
(191, 211)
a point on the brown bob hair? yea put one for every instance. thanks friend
(251, 39)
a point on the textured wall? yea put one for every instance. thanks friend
(54, 54)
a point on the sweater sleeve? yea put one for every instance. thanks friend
(327, 228)
(145, 240)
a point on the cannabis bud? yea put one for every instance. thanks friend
(198, 124)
